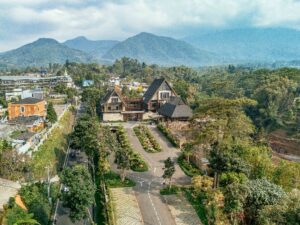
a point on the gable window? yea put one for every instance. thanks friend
(114, 100)
(164, 95)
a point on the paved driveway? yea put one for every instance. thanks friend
(153, 206)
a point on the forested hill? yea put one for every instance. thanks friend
(160, 50)
(95, 48)
(41, 53)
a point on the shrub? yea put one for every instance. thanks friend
(168, 135)
(188, 167)
(146, 139)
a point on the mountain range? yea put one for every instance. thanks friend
(227, 46)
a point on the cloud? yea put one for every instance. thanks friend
(118, 19)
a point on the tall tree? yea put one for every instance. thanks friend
(51, 114)
(123, 162)
(79, 192)
(169, 170)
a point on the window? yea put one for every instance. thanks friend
(164, 95)
(22, 109)
(114, 100)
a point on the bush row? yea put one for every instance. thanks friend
(168, 135)
(136, 162)
(147, 140)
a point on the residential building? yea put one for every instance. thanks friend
(175, 109)
(9, 83)
(87, 83)
(27, 107)
(30, 123)
(159, 98)
(157, 94)
(115, 107)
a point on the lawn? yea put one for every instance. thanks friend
(52, 152)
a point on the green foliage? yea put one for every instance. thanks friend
(51, 152)
(285, 212)
(168, 134)
(197, 201)
(113, 180)
(51, 114)
(13, 165)
(18, 216)
(169, 190)
(136, 162)
(79, 192)
(169, 170)
(188, 167)
(91, 96)
(146, 139)
(35, 197)
(261, 193)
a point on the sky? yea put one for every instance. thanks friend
(23, 21)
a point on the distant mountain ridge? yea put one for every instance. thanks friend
(237, 46)
(150, 48)
(95, 48)
(41, 53)
(251, 44)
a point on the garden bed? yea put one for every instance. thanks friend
(146, 139)
(168, 135)
(137, 164)
(113, 180)
(188, 167)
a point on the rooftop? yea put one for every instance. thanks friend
(29, 101)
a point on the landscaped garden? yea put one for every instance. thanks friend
(146, 139)
(136, 162)
(168, 134)
(188, 167)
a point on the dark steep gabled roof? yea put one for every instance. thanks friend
(152, 89)
(175, 108)
(109, 94)
(29, 101)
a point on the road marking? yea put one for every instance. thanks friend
(155, 211)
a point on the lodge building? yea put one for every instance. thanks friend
(158, 102)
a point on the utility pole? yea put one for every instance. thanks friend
(49, 183)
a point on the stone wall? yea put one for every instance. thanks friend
(112, 117)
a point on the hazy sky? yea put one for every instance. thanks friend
(23, 21)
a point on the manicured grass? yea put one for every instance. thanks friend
(53, 150)
(146, 139)
(113, 180)
(188, 168)
(196, 202)
(170, 191)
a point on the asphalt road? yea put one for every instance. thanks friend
(152, 205)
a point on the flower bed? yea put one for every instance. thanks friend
(146, 139)
(136, 162)
(168, 134)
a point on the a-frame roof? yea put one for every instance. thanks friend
(175, 108)
(155, 85)
(110, 92)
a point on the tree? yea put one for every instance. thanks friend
(285, 212)
(17, 216)
(261, 193)
(123, 162)
(51, 114)
(169, 170)
(12, 164)
(187, 151)
(235, 199)
(91, 96)
(79, 191)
